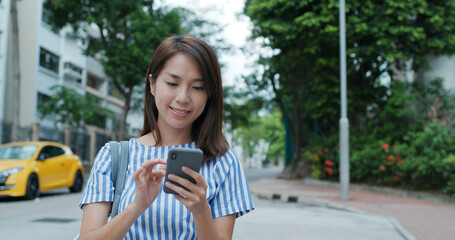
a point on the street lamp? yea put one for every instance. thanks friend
(344, 122)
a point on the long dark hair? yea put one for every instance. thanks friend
(207, 128)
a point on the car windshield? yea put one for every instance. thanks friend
(17, 152)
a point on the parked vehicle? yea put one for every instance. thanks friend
(28, 168)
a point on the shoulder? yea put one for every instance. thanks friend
(226, 161)
(230, 155)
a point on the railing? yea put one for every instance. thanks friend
(85, 142)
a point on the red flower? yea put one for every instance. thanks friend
(328, 170)
(389, 163)
(382, 168)
(385, 146)
(329, 163)
(396, 178)
(326, 150)
(320, 152)
(390, 157)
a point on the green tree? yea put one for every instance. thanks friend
(128, 33)
(382, 36)
(71, 108)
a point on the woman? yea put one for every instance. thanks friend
(183, 108)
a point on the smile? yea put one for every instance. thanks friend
(179, 112)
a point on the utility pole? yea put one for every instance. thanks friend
(344, 122)
(16, 73)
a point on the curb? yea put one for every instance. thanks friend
(312, 202)
(432, 197)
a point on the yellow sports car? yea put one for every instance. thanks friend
(26, 168)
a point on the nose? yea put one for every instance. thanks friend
(183, 96)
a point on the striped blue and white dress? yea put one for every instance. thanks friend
(167, 218)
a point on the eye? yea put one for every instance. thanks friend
(171, 84)
(200, 88)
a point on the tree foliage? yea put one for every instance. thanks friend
(127, 34)
(71, 108)
(382, 36)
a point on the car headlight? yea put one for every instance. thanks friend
(8, 172)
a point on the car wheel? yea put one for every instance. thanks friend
(32, 190)
(78, 182)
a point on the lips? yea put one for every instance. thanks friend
(179, 112)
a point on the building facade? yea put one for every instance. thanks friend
(4, 30)
(46, 59)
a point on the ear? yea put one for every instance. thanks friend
(152, 85)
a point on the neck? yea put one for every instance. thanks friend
(170, 138)
(167, 139)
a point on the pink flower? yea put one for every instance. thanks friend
(385, 146)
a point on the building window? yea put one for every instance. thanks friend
(94, 82)
(43, 98)
(48, 60)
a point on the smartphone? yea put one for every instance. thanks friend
(178, 158)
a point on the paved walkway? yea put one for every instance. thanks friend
(414, 218)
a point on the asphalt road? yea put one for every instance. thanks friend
(55, 215)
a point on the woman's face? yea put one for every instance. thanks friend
(180, 94)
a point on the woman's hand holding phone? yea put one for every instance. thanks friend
(184, 180)
(194, 198)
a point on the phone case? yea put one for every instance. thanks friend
(176, 159)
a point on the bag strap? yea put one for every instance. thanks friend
(118, 171)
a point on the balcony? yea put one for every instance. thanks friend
(72, 72)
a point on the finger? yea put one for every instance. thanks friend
(158, 174)
(182, 181)
(195, 175)
(177, 189)
(181, 199)
(153, 162)
(136, 174)
(162, 167)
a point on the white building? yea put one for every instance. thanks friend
(4, 29)
(443, 67)
(46, 59)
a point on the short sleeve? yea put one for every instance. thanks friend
(99, 186)
(233, 193)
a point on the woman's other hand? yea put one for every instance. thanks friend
(148, 183)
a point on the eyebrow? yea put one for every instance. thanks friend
(178, 77)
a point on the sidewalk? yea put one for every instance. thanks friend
(413, 218)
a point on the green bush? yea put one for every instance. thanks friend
(407, 141)
(429, 162)
(425, 160)
(376, 163)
